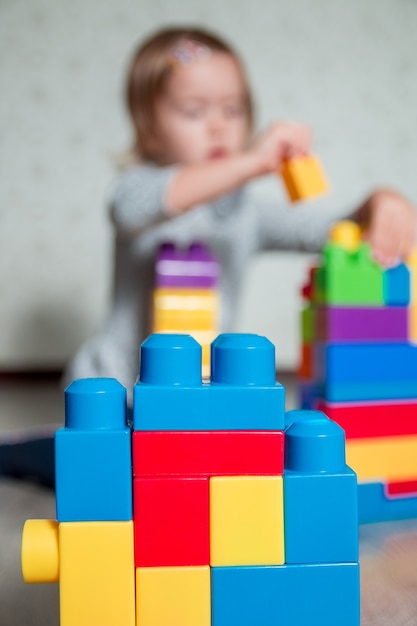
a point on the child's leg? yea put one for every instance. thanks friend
(29, 456)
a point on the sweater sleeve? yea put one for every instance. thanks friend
(305, 228)
(138, 199)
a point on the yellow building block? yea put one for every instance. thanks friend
(246, 520)
(346, 234)
(40, 551)
(97, 574)
(303, 177)
(173, 596)
(412, 309)
(391, 459)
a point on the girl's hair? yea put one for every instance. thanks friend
(153, 63)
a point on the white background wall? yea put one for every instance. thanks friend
(347, 68)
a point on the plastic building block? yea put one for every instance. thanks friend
(173, 595)
(350, 278)
(375, 506)
(210, 453)
(320, 494)
(193, 267)
(397, 286)
(348, 274)
(373, 419)
(290, 595)
(306, 368)
(93, 453)
(40, 551)
(246, 520)
(408, 488)
(303, 178)
(171, 518)
(242, 395)
(308, 324)
(178, 310)
(372, 371)
(367, 324)
(97, 556)
(383, 458)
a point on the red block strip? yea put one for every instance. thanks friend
(171, 521)
(208, 453)
(407, 488)
(373, 419)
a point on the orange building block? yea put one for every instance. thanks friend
(303, 178)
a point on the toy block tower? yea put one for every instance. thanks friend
(186, 298)
(361, 366)
(242, 514)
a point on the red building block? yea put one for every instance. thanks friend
(171, 521)
(403, 489)
(373, 419)
(212, 453)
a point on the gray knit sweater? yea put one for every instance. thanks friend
(235, 227)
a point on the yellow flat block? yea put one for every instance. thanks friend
(246, 520)
(303, 177)
(184, 320)
(97, 574)
(173, 596)
(388, 458)
(185, 299)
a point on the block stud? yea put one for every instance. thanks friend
(169, 359)
(95, 403)
(347, 235)
(243, 359)
(314, 446)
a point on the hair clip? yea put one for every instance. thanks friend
(187, 51)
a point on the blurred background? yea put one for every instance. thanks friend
(346, 68)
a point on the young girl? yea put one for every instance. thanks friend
(192, 114)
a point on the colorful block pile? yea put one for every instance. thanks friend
(226, 529)
(186, 298)
(359, 366)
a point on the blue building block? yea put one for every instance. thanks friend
(286, 595)
(307, 394)
(93, 454)
(374, 506)
(396, 286)
(242, 395)
(376, 371)
(320, 493)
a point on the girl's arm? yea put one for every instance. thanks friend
(206, 181)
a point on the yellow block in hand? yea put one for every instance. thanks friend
(304, 178)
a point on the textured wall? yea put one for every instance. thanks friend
(347, 68)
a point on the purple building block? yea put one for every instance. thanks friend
(367, 324)
(194, 267)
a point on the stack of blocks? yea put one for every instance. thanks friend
(359, 366)
(242, 514)
(186, 298)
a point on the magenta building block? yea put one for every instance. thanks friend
(193, 267)
(368, 324)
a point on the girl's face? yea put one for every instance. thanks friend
(201, 114)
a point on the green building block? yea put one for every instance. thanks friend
(349, 278)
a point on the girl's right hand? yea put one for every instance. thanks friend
(279, 142)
